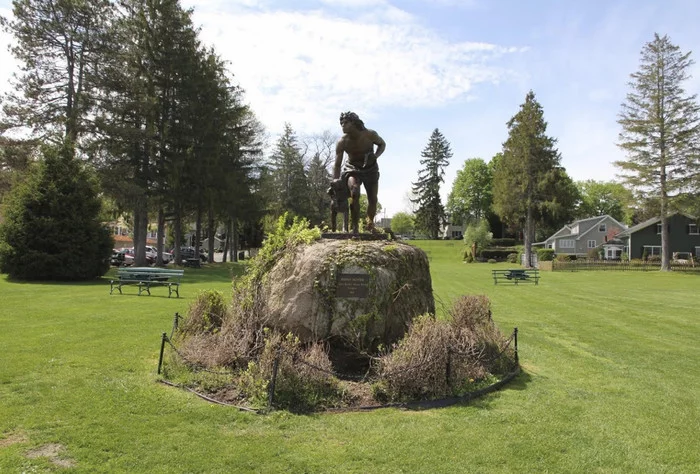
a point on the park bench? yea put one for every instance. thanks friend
(516, 275)
(147, 277)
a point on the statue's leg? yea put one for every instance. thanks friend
(334, 216)
(372, 188)
(354, 185)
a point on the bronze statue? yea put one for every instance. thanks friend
(361, 166)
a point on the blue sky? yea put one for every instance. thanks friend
(408, 67)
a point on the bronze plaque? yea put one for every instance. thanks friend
(352, 285)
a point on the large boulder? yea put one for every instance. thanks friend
(357, 293)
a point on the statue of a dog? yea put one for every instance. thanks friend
(339, 193)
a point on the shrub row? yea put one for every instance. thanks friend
(504, 242)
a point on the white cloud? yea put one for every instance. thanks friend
(304, 67)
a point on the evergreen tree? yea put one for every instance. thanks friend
(291, 183)
(660, 128)
(60, 44)
(52, 228)
(471, 196)
(319, 179)
(430, 214)
(149, 114)
(526, 176)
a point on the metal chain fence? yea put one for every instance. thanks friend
(451, 355)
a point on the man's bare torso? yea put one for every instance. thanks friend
(358, 147)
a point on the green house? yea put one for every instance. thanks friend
(645, 238)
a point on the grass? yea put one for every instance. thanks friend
(610, 385)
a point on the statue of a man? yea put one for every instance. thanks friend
(361, 166)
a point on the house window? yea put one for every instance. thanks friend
(550, 246)
(658, 228)
(566, 244)
(652, 250)
(574, 229)
(602, 228)
(693, 229)
(591, 244)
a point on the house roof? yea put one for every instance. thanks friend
(640, 226)
(648, 222)
(566, 230)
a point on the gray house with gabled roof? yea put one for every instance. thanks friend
(579, 237)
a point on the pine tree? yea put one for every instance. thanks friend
(660, 128)
(526, 176)
(430, 214)
(60, 44)
(287, 164)
(52, 228)
(319, 178)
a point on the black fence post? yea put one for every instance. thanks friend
(176, 321)
(162, 348)
(515, 340)
(273, 380)
(448, 367)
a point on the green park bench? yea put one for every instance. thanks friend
(147, 277)
(516, 275)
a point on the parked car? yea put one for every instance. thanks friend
(118, 258)
(123, 257)
(190, 252)
(151, 252)
(130, 255)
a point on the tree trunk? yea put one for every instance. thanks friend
(198, 232)
(161, 234)
(211, 231)
(665, 244)
(177, 222)
(527, 238)
(140, 228)
(227, 242)
(234, 239)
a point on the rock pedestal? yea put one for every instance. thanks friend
(359, 294)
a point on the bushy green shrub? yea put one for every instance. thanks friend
(206, 314)
(512, 258)
(563, 257)
(496, 254)
(545, 255)
(53, 228)
(479, 235)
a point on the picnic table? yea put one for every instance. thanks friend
(516, 275)
(147, 277)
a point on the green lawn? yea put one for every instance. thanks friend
(610, 384)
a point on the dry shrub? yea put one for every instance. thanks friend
(206, 314)
(415, 369)
(443, 358)
(304, 375)
(472, 325)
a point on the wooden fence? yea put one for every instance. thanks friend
(624, 266)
